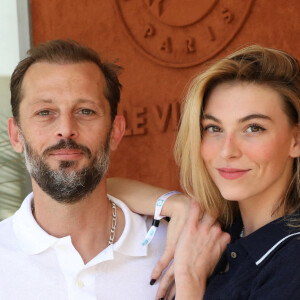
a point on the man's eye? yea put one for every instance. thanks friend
(86, 111)
(44, 113)
(254, 128)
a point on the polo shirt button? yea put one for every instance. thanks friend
(79, 284)
(233, 254)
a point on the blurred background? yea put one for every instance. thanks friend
(15, 39)
(161, 44)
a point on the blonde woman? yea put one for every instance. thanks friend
(238, 149)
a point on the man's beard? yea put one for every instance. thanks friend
(64, 185)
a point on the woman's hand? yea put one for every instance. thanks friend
(177, 207)
(199, 248)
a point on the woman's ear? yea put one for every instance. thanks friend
(14, 135)
(295, 147)
(117, 132)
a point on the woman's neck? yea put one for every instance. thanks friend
(260, 211)
(255, 218)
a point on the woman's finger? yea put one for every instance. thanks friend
(166, 282)
(208, 220)
(175, 227)
(163, 262)
(195, 213)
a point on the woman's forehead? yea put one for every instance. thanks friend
(242, 96)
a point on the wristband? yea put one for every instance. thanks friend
(157, 217)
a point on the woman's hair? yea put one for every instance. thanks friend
(256, 65)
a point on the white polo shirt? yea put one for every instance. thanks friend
(36, 265)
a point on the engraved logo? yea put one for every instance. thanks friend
(180, 34)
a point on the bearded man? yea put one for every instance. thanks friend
(69, 239)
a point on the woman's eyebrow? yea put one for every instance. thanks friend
(254, 116)
(210, 117)
(242, 120)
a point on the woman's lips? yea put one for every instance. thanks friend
(229, 173)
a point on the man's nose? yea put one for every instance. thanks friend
(67, 127)
(230, 147)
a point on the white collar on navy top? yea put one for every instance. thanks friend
(33, 239)
(261, 243)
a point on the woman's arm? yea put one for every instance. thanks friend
(141, 197)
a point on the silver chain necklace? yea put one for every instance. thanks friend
(113, 223)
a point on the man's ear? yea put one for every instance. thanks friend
(14, 135)
(295, 147)
(117, 132)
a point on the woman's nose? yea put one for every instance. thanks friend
(230, 147)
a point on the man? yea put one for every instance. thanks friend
(69, 240)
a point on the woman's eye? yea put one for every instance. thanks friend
(212, 129)
(254, 128)
(86, 111)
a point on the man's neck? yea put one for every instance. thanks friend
(87, 221)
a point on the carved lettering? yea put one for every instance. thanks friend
(160, 7)
(162, 116)
(138, 121)
(190, 45)
(227, 15)
(150, 31)
(175, 115)
(211, 34)
(167, 45)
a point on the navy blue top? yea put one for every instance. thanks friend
(263, 265)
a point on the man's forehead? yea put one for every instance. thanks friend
(44, 80)
(43, 73)
(47, 68)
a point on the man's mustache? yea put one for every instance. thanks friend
(68, 144)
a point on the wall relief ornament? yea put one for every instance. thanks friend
(180, 34)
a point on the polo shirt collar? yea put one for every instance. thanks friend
(33, 239)
(264, 241)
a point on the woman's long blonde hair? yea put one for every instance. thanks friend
(254, 64)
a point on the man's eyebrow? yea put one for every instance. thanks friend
(43, 101)
(80, 100)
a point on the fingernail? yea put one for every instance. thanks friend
(152, 281)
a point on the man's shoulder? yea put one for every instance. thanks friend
(147, 220)
(7, 235)
(6, 225)
(136, 227)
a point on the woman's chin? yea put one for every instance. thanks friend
(233, 196)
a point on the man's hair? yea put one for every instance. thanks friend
(65, 52)
(256, 65)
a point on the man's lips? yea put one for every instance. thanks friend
(66, 154)
(231, 173)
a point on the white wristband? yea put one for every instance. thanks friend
(157, 217)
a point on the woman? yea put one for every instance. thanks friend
(238, 149)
